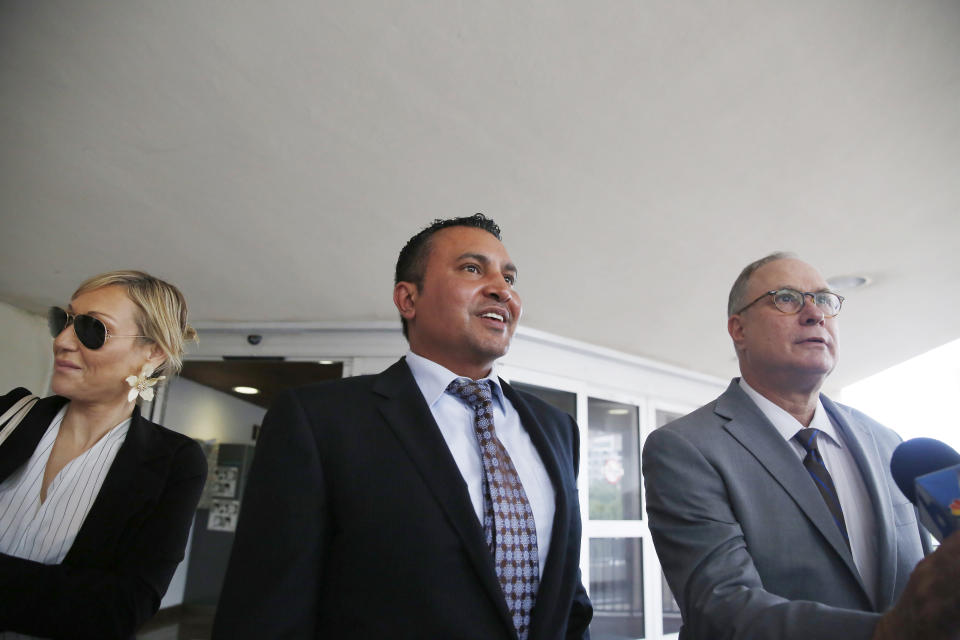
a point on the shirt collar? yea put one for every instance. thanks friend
(785, 424)
(433, 379)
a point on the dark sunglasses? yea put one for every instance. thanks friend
(91, 332)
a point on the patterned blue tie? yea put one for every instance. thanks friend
(821, 477)
(507, 516)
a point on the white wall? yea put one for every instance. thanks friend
(916, 398)
(207, 414)
(26, 355)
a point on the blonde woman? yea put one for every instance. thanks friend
(95, 500)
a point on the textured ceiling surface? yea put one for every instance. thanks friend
(272, 158)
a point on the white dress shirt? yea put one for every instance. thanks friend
(858, 512)
(455, 419)
(44, 532)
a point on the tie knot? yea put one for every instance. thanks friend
(808, 439)
(476, 393)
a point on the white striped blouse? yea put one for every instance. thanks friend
(44, 532)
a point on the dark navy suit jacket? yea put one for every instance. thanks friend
(356, 523)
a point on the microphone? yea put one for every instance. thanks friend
(928, 473)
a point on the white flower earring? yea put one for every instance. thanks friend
(143, 384)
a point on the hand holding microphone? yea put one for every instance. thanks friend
(929, 608)
(926, 471)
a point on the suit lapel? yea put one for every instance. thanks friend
(863, 448)
(550, 580)
(754, 432)
(406, 412)
(18, 448)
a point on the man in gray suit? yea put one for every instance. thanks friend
(772, 508)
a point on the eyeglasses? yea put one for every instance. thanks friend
(91, 332)
(792, 301)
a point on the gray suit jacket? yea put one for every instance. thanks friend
(745, 539)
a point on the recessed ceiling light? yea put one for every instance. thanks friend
(247, 391)
(618, 412)
(846, 283)
(326, 362)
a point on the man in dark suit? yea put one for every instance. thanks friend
(772, 508)
(371, 510)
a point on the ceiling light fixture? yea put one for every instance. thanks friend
(247, 391)
(618, 412)
(326, 362)
(847, 283)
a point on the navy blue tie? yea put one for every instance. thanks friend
(821, 477)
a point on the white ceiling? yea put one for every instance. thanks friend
(272, 158)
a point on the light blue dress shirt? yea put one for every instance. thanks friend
(455, 419)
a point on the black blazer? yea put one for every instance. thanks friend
(127, 549)
(356, 523)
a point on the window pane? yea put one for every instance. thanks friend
(671, 610)
(614, 460)
(563, 400)
(616, 588)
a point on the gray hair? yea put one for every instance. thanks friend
(738, 291)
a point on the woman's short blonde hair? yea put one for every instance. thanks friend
(162, 311)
